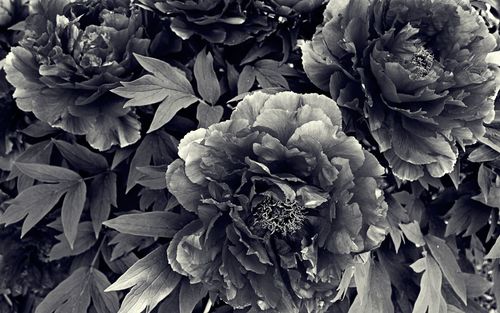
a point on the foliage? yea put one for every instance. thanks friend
(273, 156)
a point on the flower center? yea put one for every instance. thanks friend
(422, 60)
(276, 216)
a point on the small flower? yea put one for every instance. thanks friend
(283, 200)
(417, 70)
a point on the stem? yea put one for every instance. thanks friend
(208, 306)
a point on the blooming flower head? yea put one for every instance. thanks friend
(416, 69)
(71, 55)
(218, 21)
(283, 200)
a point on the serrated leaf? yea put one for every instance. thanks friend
(81, 157)
(448, 264)
(208, 115)
(72, 295)
(33, 204)
(150, 224)
(206, 79)
(102, 195)
(72, 209)
(374, 289)
(430, 298)
(494, 251)
(47, 173)
(104, 302)
(413, 233)
(84, 240)
(151, 279)
(190, 295)
(167, 85)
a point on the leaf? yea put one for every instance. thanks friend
(345, 282)
(47, 173)
(448, 264)
(104, 302)
(208, 115)
(206, 79)
(167, 85)
(168, 108)
(246, 79)
(494, 251)
(102, 195)
(33, 204)
(72, 209)
(84, 240)
(190, 295)
(123, 244)
(71, 296)
(430, 298)
(164, 153)
(151, 279)
(154, 177)
(374, 289)
(413, 233)
(150, 224)
(466, 215)
(268, 74)
(81, 158)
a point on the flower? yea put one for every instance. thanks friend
(230, 22)
(416, 69)
(71, 55)
(300, 6)
(283, 200)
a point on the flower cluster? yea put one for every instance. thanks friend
(416, 69)
(283, 199)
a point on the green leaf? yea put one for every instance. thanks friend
(33, 204)
(494, 251)
(208, 115)
(153, 177)
(430, 298)
(102, 195)
(84, 240)
(167, 85)
(47, 173)
(345, 282)
(190, 295)
(72, 209)
(374, 289)
(151, 279)
(449, 266)
(466, 215)
(206, 79)
(150, 224)
(81, 158)
(72, 295)
(413, 233)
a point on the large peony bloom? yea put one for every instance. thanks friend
(284, 199)
(416, 69)
(218, 21)
(72, 54)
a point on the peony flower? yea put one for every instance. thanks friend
(71, 55)
(230, 22)
(416, 69)
(283, 200)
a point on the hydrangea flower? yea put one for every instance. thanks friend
(416, 69)
(71, 55)
(283, 200)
